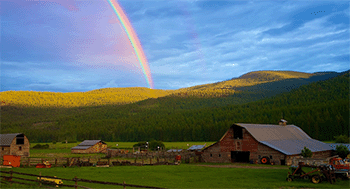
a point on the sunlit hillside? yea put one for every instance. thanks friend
(75, 99)
(119, 96)
(253, 78)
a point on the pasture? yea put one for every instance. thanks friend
(180, 176)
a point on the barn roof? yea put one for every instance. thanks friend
(6, 139)
(87, 144)
(288, 139)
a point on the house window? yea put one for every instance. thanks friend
(20, 148)
(211, 155)
(270, 157)
(237, 132)
(219, 155)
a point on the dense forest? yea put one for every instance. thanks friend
(319, 106)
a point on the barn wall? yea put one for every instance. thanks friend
(97, 148)
(323, 154)
(5, 150)
(215, 155)
(14, 148)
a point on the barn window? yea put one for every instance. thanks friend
(270, 157)
(211, 155)
(20, 139)
(219, 155)
(237, 132)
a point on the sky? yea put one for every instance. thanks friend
(80, 45)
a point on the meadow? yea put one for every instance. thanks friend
(180, 176)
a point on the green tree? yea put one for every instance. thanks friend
(306, 152)
(342, 139)
(342, 151)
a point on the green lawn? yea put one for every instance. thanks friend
(182, 176)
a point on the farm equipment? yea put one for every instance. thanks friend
(341, 167)
(51, 180)
(45, 164)
(316, 175)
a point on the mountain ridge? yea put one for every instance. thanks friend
(250, 81)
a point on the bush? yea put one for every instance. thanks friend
(306, 152)
(153, 145)
(342, 139)
(39, 146)
(342, 151)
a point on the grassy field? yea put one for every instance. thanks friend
(181, 176)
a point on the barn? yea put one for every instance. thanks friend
(90, 146)
(14, 144)
(263, 143)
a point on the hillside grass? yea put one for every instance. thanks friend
(78, 99)
(181, 176)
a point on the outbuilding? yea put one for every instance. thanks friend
(90, 146)
(14, 144)
(264, 143)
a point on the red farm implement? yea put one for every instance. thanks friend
(316, 175)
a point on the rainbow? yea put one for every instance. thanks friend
(134, 40)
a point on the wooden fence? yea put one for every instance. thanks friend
(75, 179)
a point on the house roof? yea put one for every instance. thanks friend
(6, 139)
(288, 139)
(87, 144)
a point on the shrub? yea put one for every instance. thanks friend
(342, 151)
(306, 152)
(342, 139)
(153, 145)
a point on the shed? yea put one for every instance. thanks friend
(14, 144)
(90, 146)
(263, 143)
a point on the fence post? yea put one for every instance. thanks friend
(11, 177)
(55, 162)
(124, 184)
(76, 182)
(40, 179)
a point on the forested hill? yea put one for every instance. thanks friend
(320, 108)
(118, 96)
